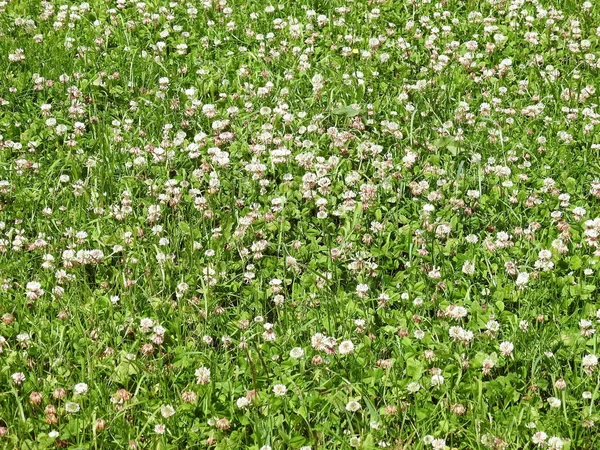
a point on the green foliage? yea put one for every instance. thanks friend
(314, 224)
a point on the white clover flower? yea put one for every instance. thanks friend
(554, 402)
(539, 438)
(72, 407)
(438, 444)
(522, 279)
(80, 389)
(468, 268)
(355, 441)
(413, 387)
(353, 406)
(555, 443)
(18, 378)
(362, 290)
(280, 390)
(506, 348)
(242, 402)
(296, 353)
(346, 348)
(202, 375)
(167, 411)
(437, 380)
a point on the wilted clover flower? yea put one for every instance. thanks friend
(189, 396)
(560, 384)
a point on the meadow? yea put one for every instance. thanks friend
(310, 224)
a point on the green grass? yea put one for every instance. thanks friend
(298, 175)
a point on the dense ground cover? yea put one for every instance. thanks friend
(300, 224)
